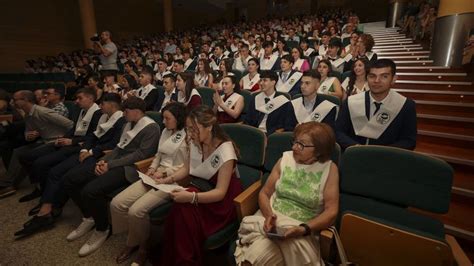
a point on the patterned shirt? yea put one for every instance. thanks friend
(61, 109)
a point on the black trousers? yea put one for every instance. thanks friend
(41, 165)
(53, 190)
(27, 159)
(90, 192)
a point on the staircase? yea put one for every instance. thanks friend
(445, 112)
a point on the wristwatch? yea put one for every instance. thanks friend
(306, 229)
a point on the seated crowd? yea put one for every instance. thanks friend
(282, 76)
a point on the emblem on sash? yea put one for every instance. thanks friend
(229, 103)
(292, 81)
(383, 118)
(215, 161)
(124, 141)
(84, 124)
(251, 83)
(269, 107)
(176, 138)
(316, 116)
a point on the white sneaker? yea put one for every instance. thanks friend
(94, 242)
(86, 225)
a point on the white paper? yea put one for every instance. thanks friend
(167, 188)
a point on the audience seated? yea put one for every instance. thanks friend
(301, 63)
(95, 83)
(269, 60)
(161, 70)
(228, 106)
(206, 206)
(363, 50)
(289, 79)
(43, 127)
(130, 208)
(147, 91)
(55, 98)
(380, 116)
(329, 85)
(241, 61)
(357, 81)
(310, 107)
(251, 81)
(105, 137)
(168, 94)
(89, 185)
(11, 131)
(299, 199)
(203, 76)
(269, 109)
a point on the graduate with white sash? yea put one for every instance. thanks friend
(208, 168)
(248, 83)
(318, 114)
(169, 144)
(308, 52)
(374, 127)
(326, 85)
(182, 97)
(106, 123)
(268, 62)
(84, 120)
(291, 82)
(129, 133)
(298, 63)
(230, 101)
(268, 107)
(143, 92)
(337, 63)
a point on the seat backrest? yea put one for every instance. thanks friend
(370, 242)
(345, 75)
(206, 96)
(157, 117)
(72, 108)
(247, 97)
(251, 144)
(397, 176)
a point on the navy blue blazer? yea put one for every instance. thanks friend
(161, 98)
(296, 88)
(107, 142)
(400, 133)
(330, 118)
(90, 130)
(276, 119)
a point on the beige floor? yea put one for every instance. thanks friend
(49, 247)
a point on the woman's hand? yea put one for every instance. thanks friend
(150, 172)
(270, 223)
(217, 99)
(182, 196)
(157, 175)
(296, 231)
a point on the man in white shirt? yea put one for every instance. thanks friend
(241, 62)
(108, 52)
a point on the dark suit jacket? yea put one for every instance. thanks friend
(107, 142)
(400, 133)
(151, 99)
(276, 120)
(330, 118)
(161, 98)
(90, 130)
(296, 89)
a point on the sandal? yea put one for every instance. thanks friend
(125, 254)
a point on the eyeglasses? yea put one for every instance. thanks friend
(300, 145)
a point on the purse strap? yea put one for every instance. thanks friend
(340, 248)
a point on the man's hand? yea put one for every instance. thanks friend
(63, 142)
(84, 155)
(31, 135)
(101, 167)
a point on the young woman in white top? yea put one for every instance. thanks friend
(328, 85)
(130, 208)
(251, 81)
(357, 81)
(203, 76)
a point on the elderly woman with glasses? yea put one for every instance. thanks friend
(300, 197)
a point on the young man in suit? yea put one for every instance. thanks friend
(169, 94)
(380, 116)
(43, 127)
(189, 63)
(217, 57)
(269, 60)
(268, 110)
(312, 106)
(105, 137)
(89, 185)
(161, 69)
(289, 80)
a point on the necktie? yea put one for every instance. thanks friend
(284, 77)
(267, 100)
(377, 107)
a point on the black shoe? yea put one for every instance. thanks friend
(34, 210)
(33, 195)
(35, 225)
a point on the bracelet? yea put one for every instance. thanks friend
(194, 198)
(306, 229)
(197, 199)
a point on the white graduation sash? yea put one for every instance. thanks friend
(142, 92)
(82, 124)
(369, 55)
(193, 92)
(249, 83)
(322, 51)
(317, 115)
(129, 134)
(207, 169)
(308, 51)
(188, 63)
(336, 63)
(325, 85)
(267, 64)
(272, 105)
(159, 76)
(374, 127)
(297, 65)
(290, 82)
(105, 125)
(201, 80)
(231, 101)
(169, 143)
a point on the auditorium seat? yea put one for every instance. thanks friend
(157, 117)
(247, 97)
(207, 95)
(377, 184)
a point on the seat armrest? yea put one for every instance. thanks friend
(326, 239)
(459, 255)
(143, 165)
(246, 203)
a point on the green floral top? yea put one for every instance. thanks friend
(299, 191)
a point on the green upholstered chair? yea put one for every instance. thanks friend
(72, 108)
(238, 75)
(247, 97)
(345, 75)
(377, 185)
(206, 96)
(157, 116)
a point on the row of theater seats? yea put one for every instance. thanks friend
(378, 187)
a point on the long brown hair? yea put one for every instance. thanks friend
(206, 117)
(353, 77)
(189, 80)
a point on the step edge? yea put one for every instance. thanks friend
(445, 135)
